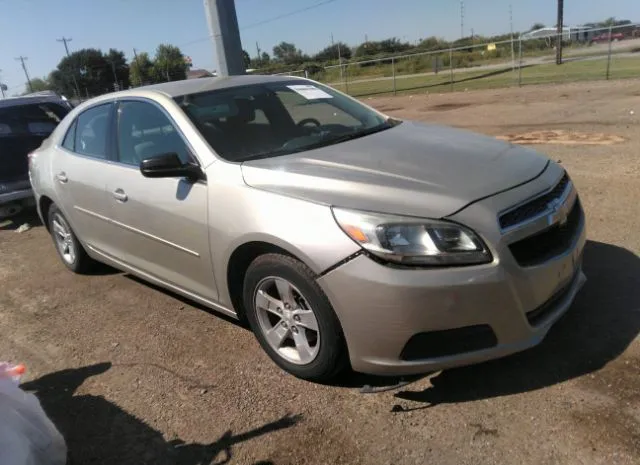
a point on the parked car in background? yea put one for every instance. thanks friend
(342, 235)
(24, 123)
(604, 38)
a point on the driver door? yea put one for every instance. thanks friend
(161, 222)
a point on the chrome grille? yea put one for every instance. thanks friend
(535, 207)
(556, 240)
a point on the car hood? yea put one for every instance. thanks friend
(412, 169)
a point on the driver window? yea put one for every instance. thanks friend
(322, 111)
(144, 131)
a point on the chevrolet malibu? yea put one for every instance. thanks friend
(344, 237)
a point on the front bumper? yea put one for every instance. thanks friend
(382, 308)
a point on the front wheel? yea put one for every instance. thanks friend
(67, 244)
(293, 319)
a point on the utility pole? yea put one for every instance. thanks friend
(116, 86)
(65, 41)
(257, 52)
(225, 33)
(560, 32)
(339, 56)
(135, 54)
(21, 59)
(513, 52)
(461, 19)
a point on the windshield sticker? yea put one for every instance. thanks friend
(309, 92)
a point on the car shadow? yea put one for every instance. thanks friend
(603, 321)
(97, 431)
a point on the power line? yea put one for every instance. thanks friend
(21, 59)
(264, 21)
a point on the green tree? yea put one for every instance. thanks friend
(537, 26)
(169, 64)
(140, 71)
(39, 85)
(88, 67)
(383, 47)
(287, 53)
(246, 58)
(332, 52)
(119, 68)
(432, 43)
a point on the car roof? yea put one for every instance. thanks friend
(30, 100)
(192, 86)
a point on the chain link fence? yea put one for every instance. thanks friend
(588, 54)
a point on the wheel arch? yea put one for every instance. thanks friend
(44, 205)
(238, 263)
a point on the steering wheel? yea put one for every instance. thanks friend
(306, 121)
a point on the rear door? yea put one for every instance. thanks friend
(78, 167)
(161, 224)
(23, 127)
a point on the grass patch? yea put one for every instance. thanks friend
(463, 79)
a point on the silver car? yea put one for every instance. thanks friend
(341, 235)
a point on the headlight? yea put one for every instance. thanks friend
(413, 241)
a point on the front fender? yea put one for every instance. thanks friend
(306, 230)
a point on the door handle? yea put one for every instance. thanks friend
(119, 195)
(62, 177)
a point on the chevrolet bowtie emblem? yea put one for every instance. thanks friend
(559, 211)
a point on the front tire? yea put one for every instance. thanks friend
(293, 319)
(67, 244)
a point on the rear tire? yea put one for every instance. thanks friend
(67, 244)
(292, 318)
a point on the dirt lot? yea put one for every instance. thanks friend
(133, 375)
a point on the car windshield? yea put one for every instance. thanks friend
(35, 119)
(278, 118)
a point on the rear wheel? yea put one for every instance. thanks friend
(293, 319)
(69, 248)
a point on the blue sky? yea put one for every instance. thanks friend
(30, 27)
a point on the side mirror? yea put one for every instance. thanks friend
(169, 165)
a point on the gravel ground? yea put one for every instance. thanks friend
(134, 375)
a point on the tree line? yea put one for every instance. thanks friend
(287, 55)
(90, 72)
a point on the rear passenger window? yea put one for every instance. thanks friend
(70, 138)
(91, 132)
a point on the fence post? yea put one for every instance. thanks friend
(346, 79)
(451, 67)
(609, 55)
(393, 71)
(520, 62)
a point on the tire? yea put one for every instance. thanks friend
(78, 261)
(319, 362)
